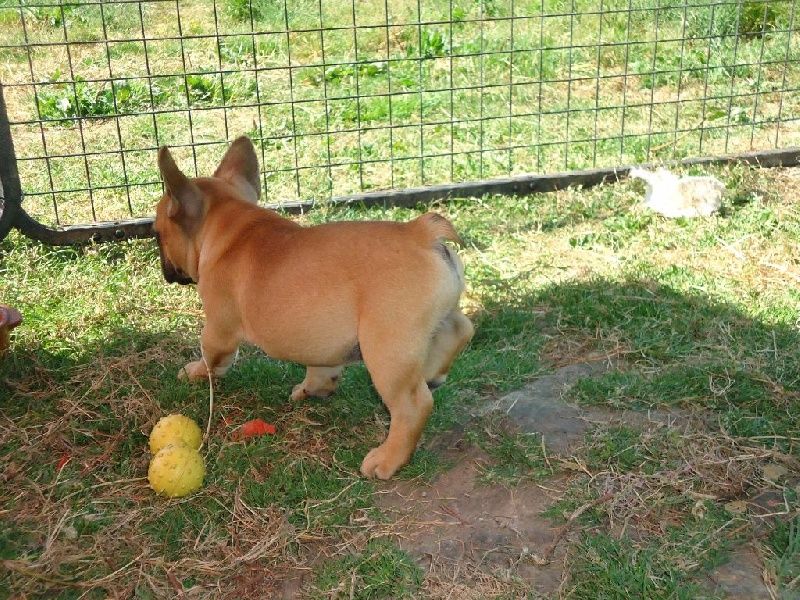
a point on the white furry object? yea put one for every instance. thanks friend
(674, 196)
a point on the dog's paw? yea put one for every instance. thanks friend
(381, 463)
(194, 371)
(299, 393)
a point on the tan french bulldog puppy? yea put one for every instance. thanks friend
(326, 296)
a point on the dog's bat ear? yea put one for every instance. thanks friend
(239, 167)
(186, 203)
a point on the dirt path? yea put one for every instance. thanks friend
(463, 530)
(476, 540)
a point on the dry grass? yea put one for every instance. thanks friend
(702, 466)
(446, 583)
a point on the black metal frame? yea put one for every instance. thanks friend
(111, 231)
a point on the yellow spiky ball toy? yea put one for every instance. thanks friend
(176, 471)
(174, 429)
(177, 468)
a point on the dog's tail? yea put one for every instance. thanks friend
(434, 228)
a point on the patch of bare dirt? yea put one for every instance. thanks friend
(464, 531)
(741, 578)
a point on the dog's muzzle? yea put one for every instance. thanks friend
(172, 274)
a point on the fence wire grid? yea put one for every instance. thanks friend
(343, 96)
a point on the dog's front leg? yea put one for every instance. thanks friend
(219, 349)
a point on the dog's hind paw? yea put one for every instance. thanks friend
(320, 382)
(381, 463)
(299, 393)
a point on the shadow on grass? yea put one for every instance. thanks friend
(680, 349)
(689, 349)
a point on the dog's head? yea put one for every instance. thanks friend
(183, 207)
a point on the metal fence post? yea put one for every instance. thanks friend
(10, 188)
(12, 214)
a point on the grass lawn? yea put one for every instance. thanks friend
(699, 317)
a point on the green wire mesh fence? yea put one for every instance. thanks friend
(380, 101)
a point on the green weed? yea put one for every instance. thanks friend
(381, 571)
(514, 456)
(84, 99)
(784, 544)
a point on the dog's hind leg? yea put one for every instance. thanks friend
(320, 382)
(409, 409)
(219, 349)
(397, 373)
(451, 336)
